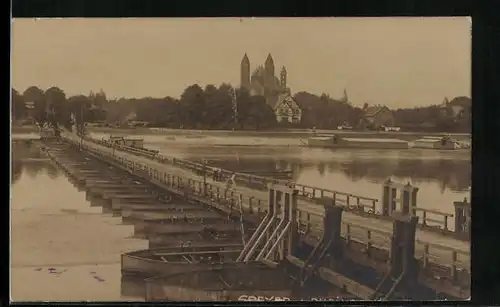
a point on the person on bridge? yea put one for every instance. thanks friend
(215, 175)
(231, 182)
(218, 174)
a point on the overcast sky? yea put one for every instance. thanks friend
(399, 62)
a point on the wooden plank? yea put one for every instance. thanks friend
(338, 280)
(434, 212)
(199, 253)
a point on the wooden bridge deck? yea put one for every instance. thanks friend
(430, 246)
(432, 220)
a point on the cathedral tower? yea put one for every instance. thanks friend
(269, 69)
(245, 72)
(283, 78)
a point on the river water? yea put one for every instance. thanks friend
(64, 250)
(442, 177)
(61, 248)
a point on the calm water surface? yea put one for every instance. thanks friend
(61, 248)
(442, 177)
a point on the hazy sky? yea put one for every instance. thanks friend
(399, 62)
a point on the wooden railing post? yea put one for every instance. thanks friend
(348, 234)
(425, 259)
(368, 241)
(308, 229)
(250, 205)
(454, 265)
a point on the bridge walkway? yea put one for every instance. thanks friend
(444, 248)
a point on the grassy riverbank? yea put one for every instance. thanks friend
(292, 133)
(289, 133)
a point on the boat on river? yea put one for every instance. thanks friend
(135, 142)
(439, 143)
(176, 259)
(335, 141)
(252, 281)
(278, 174)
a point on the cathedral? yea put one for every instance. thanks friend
(263, 81)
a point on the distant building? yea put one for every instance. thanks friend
(132, 121)
(285, 108)
(459, 107)
(376, 117)
(262, 81)
(29, 110)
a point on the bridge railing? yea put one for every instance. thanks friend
(436, 260)
(460, 260)
(348, 200)
(434, 219)
(428, 218)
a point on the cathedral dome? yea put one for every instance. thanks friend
(259, 72)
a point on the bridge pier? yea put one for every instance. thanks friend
(277, 235)
(462, 218)
(403, 262)
(332, 224)
(331, 243)
(407, 202)
(403, 270)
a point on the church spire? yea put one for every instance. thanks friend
(269, 60)
(245, 59)
(245, 72)
(269, 68)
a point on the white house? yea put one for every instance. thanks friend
(285, 108)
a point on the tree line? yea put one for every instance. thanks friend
(210, 107)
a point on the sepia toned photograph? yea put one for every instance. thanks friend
(240, 159)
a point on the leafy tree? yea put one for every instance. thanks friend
(18, 107)
(80, 107)
(212, 108)
(324, 112)
(192, 105)
(37, 96)
(255, 112)
(59, 113)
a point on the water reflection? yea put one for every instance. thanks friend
(33, 169)
(453, 175)
(441, 178)
(54, 228)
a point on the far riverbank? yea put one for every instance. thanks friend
(289, 133)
